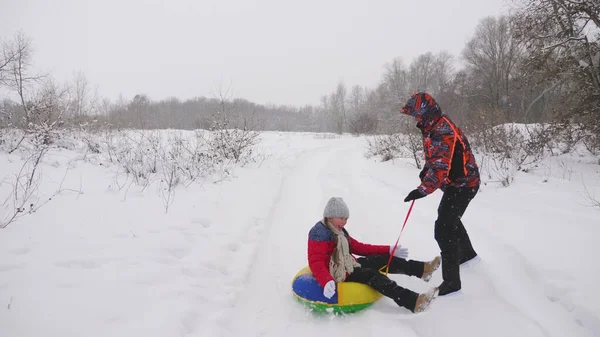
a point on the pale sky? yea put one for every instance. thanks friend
(267, 51)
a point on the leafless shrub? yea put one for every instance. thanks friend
(326, 135)
(232, 137)
(565, 170)
(413, 142)
(592, 145)
(509, 147)
(387, 147)
(590, 197)
(168, 158)
(408, 144)
(39, 129)
(24, 198)
(170, 173)
(137, 156)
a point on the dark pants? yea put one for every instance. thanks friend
(452, 236)
(368, 273)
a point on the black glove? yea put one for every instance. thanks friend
(414, 195)
(423, 173)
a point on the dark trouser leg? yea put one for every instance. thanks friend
(449, 236)
(466, 248)
(403, 297)
(450, 256)
(397, 265)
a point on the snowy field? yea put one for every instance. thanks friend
(111, 262)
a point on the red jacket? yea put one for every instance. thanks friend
(321, 243)
(448, 157)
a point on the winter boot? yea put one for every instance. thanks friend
(450, 266)
(470, 262)
(424, 300)
(448, 288)
(430, 267)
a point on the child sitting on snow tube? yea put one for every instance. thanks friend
(330, 259)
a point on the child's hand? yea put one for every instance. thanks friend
(400, 252)
(329, 289)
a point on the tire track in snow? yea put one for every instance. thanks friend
(225, 277)
(266, 303)
(264, 306)
(536, 290)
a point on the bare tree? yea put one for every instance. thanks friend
(324, 119)
(337, 101)
(84, 100)
(356, 99)
(387, 98)
(361, 119)
(443, 71)
(139, 107)
(7, 57)
(562, 39)
(395, 79)
(422, 72)
(492, 56)
(19, 79)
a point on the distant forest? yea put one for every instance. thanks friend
(542, 64)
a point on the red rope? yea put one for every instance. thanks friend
(387, 267)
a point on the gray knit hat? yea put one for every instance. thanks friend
(336, 208)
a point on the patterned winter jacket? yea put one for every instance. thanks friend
(449, 160)
(321, 242)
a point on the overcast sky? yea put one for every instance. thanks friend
(267, 51)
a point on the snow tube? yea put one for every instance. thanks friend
(349, 297)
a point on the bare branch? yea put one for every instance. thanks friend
(560, 43)
(591, 199)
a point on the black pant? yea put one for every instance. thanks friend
(368, 273)
(451, 235)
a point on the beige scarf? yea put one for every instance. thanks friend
(341, 262)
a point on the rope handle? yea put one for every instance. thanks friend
(387, 267)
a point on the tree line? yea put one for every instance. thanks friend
(541, 64)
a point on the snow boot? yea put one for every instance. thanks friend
(430, 267)
(424, 300)
(471, 262)
(447, 288)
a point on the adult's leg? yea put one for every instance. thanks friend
(466, 251)
(397, 265)
(446, 235)
(403, 297)
(465, 246)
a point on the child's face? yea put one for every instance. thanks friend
(338, 223)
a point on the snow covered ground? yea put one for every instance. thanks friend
(110, 262)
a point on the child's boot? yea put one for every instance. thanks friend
(430, 267)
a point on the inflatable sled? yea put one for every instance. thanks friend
(349, 297)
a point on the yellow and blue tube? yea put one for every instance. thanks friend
(349, 297)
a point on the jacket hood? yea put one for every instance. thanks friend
(423, 107)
